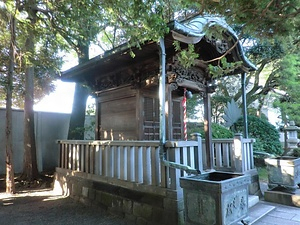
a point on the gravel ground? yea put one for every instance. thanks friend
(39, 207)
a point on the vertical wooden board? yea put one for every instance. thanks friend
(110, 162)
(251, 156)
(87, 159)
(138, 161)
(68, 156)
(246, 156)
(232, 157)
(155, 178)
(131, 163)
(198, 158)
(123, 163)
(213, 155)
(184, 158)
(164, 171)
(218, 152)
(174, 156)
(116, 159)
(82, 158)
(105, 161)
(164, 175)
(226, 155)
(101, 159)
(97, 159)
(77, 158)
(62, 155)
(93, 158)
(74, 157)
(204, 158)
(191, 156)
(146, 165)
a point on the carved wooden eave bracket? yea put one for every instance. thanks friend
(193, 78)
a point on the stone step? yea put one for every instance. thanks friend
(283, 198)
(252, 200)
(257, 212)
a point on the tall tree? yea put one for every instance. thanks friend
(10, 183)
(288, 99)
(78, 23)
(30, 169)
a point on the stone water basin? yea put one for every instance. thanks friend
(283, 171)
(218, 198)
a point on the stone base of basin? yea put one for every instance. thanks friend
(283, 198)
(283, 172)
(215, 198)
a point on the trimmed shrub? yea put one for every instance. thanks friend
(218, 131)
(266, 135)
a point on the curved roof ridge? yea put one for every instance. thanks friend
(192, 31)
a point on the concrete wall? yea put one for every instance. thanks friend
(49, 127)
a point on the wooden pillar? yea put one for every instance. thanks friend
(98, 120)
(208, 130)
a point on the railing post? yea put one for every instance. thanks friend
(238, 152)
(198, 151)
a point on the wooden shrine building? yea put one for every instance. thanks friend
(140, 153)
(127, 88)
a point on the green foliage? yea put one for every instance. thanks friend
(223, 68)
(44, 57)
(288, 74)
(218, 131)
(186, 57)
(192, 106)
(265, 134)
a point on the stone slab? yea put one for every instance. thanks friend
(252, 200)
(257, 212)
(283, 198)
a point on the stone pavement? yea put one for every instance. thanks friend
(46, 207)
(42, 207)
(266, 213)
(269, 213)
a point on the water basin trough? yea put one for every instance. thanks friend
(283, 173)
(215, 198)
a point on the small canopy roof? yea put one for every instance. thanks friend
(192, 31)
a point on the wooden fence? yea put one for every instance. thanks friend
(140, 161)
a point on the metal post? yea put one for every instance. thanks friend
(162, 94)
(207, 130)
(244, 99)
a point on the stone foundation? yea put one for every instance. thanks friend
(283, 198)
(254, 187)
(140, 204)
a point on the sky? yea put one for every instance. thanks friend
(61, 99)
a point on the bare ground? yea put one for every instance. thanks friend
(37, 204)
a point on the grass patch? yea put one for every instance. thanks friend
(263, 174)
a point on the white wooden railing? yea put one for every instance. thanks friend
(140, 161)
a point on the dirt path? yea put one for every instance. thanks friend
(43, 206)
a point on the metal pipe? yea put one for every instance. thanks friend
(244, 100)
(162, 94)
(162, 124)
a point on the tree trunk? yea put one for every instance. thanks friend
(10, 183)
(30, 170)
(76, 127)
